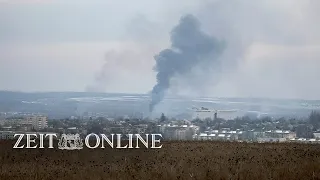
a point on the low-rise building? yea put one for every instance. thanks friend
(6, 134)
(270, 139)
(280, 134)
(175, 132)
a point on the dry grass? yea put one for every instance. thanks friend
(176, 160)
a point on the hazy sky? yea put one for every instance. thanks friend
(67, 45)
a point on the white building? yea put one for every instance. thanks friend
(181, 134)
(316, 135)
(217, 135)
(175, 132)
(37, 122)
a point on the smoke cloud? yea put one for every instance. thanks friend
(190, 48)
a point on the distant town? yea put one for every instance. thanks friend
(206, 125)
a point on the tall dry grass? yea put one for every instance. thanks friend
(176, 160)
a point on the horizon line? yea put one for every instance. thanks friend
(131, 93)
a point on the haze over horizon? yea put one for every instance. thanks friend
(273, 47)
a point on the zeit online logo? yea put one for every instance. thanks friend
(74, 141)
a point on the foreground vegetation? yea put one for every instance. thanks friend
(176, 160)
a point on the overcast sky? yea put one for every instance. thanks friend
(273, 46)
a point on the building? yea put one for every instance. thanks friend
(252, 135)
(184, 134)
(37, 122)
(24, 127)
(175, 132)
(6, 134)
(10, 134)
(304, 131)
(72, 130)
(280, 134)
(316, 135)
(180, 134)
(270, 139)
(221, 135)
(141, 128)
(205, 113)
(226, 134)
(10, 122)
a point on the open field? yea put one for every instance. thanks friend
(176, 160)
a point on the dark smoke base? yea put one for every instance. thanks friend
(189, 47)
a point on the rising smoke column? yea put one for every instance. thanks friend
(189, 47)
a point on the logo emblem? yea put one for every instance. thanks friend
(70, 142)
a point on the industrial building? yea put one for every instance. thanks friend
(204, 113)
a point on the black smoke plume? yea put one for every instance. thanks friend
(189, 47)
